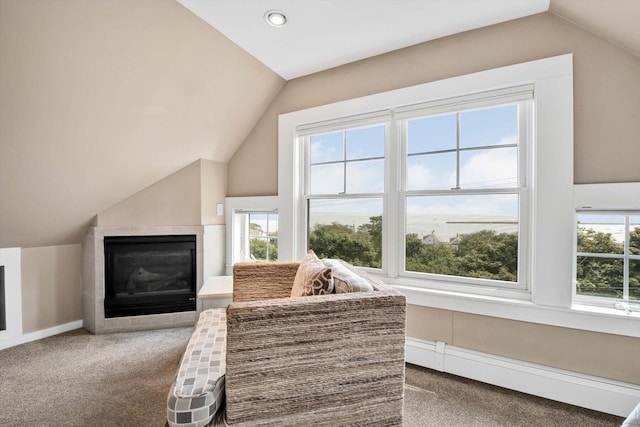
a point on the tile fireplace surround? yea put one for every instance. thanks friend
(209, 262)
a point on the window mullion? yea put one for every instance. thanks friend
(457, 151)
(344, 164)
(392, 258)
(625, 275)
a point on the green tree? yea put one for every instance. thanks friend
(487, 254)
(258, 249)
(374, 229)
(341, 241)
(436, 259)
(595, 275)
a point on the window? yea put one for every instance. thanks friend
(257, 233)
(465, 192)
(439, 138)
(345, 192)
(606, 269)
(252, 230)
(608, 258)
(462, 191)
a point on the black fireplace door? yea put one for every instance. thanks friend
(149, 274)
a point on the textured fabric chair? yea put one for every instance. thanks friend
(323, 360)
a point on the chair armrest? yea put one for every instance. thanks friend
(255, 281)
(317, 360)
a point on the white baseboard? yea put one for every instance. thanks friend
(37, 335)
(600, 394)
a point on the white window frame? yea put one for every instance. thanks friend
(237, 237)
(519, 95)
(366, 120)
(551, 212)
(614, 198)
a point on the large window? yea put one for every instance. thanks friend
(459, 201)
(468, 206)
(465, 188)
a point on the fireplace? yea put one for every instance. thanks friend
(149, 274)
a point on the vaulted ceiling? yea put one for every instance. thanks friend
(322, 34)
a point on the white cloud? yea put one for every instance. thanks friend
(490, 168)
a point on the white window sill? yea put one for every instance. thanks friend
(606, 311)
(589, 318)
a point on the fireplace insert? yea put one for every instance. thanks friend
(149, 274)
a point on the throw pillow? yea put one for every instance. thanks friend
(312, 278)
(345, 279)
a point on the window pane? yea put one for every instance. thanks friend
(431, 172)
(327, 179)
(429, 134)
(598, 276)
(634, 235)
(491, 168)
(489, 126)
(600, 234)
(463, 235)
(327, 147)
(255, 235)
(634, 279)
(365, 143)
(365, 176)
(348, 229)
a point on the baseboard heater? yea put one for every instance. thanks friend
(600, 394)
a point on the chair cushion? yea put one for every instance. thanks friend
(345, 279)
(312, 278)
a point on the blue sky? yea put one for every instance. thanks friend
(494, 166)
(427, 170)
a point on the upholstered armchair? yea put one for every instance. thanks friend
(320, 360)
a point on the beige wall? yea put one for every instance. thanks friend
(100, 99)
(213, 189)
(186, 197)
(606, 94)
(607, 107)
(51, 286)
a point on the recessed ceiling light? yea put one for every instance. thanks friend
(276, 18)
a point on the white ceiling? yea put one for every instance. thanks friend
(322, 34)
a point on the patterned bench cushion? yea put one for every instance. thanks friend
(198, 389)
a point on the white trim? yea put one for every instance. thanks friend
(576, 317)
(600, 394)
(49, 332)
(11, 258)
(44, 333)
(607, 197)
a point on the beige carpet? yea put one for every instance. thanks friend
(79, 379)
